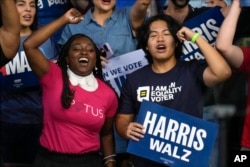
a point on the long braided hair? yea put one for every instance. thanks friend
(67, 94)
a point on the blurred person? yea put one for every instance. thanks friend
(213, 3)
(21, 108)
(182, 11)
(105, 23)
(238, 57)
(161, 38)
(79, 107)
(82, 5)
(9, 31)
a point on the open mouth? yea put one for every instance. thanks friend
(83, 60)
(27, 17)
(161, 48)
(106, 1)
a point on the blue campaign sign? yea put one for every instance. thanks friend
(245, 2)
(207, 24)
(173, 138)
(17, 73)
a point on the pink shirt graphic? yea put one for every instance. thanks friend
(74, 130)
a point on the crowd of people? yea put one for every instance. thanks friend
(57, 109)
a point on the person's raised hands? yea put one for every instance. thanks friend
(73, 16)
(185, 34)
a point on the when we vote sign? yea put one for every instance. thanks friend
(117, 69)
(245, 2)
(173, 138)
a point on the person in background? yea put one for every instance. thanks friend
(81, 5)
(9, 31)
(239, 59)
(182, 11)
(105, 23)
(21, 107)
(213, 3)
(79, 107)
(160, 37)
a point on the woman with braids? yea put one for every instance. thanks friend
(79, 106)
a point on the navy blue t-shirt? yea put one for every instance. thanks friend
(181, 88)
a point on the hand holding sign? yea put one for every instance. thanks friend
(135, 131)
(172, 137)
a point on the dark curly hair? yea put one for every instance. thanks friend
(67, 94)
(144, 30)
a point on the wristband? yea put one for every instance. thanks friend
(109, 156)
(108, 161)
(194, 38)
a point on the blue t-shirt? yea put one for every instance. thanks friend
(181, 88)
(20, 88)
(124, 3)
(49, 10)
(117, 31)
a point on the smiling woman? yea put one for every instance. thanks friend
(79, 107)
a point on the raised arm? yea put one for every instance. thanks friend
(37, 61)
(224, 42)
(138, 13)
(218, 70)
(10, 30)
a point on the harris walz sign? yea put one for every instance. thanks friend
(173, 138)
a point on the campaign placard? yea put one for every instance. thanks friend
(119, 67)
(17, 73)
(207, 24)
(173, 138)
(245, 2)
